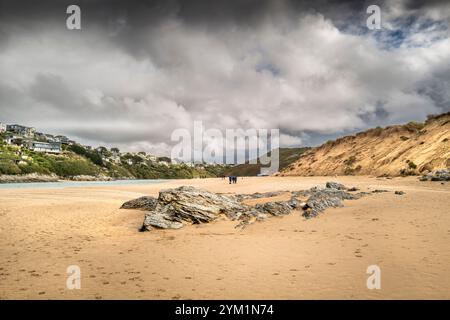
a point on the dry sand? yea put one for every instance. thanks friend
(43, 231)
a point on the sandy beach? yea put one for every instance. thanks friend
(43, 231)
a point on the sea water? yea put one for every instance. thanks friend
(64, 184)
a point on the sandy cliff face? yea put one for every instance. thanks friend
(413, 148)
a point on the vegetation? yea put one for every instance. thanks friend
(287, 156)
(77, 160)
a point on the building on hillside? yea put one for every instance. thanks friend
(62, 139)
(40, 136)
(50, 147)
(22, 130)
(50, 137)
(2, 127)
(13, 139)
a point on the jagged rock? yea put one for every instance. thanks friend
(258, 195)
(182, 205)
(276, 208)
(335, 185)
(322, 199)
(161, 220)
(144, 203)
(379, 191)
(352, 189)
(438, 175)
(186, 205)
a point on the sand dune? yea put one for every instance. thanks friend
(42, 232)
(414, 148)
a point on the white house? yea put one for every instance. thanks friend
(22, 130)
(2, 127)
(50, 147)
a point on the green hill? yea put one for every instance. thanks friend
(75, 160)
(287, 156)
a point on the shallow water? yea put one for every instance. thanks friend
(64, 184)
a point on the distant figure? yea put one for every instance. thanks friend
(234, 179)
(230, 179)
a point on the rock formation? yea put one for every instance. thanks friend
(438, 175)
(143, 203)
(175, 208)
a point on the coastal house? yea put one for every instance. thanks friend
(40, 136)
(50, 147)
(13, 139)
(2, 127)
(21, 130)
(62, 139)
(50, 137)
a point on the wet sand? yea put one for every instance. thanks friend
(43, 231)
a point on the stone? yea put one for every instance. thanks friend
(335, 185)
(379, 191)
(143, 203)
(189, 205)
(438, 175)
(322, 199)
(276, 208)
(174, 208)
(400, 193)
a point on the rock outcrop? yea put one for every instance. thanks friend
(438, 175)
(142, 203)
(175, 208)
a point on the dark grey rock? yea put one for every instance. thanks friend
(144, 203)
(175, 208)
(335, 185)
(277, 208)
(438, 175)
(379, 191)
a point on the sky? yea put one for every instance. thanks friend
(138, 70)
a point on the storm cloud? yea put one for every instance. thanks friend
(138, 70)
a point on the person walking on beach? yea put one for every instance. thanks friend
(230, 179)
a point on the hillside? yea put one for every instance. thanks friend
(409, 149)
(77, 162)
(287, 156)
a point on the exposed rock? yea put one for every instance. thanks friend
(31, 177)
(277, 208)
(335, 185)
(438, 175)
(322, 199)
(258, 195)
(379, 191)
(175, 208)
(352, 189)
(400, 193)
(161, 220)
(143, 203)
(84, 177)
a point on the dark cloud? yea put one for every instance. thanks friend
(140, 69)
